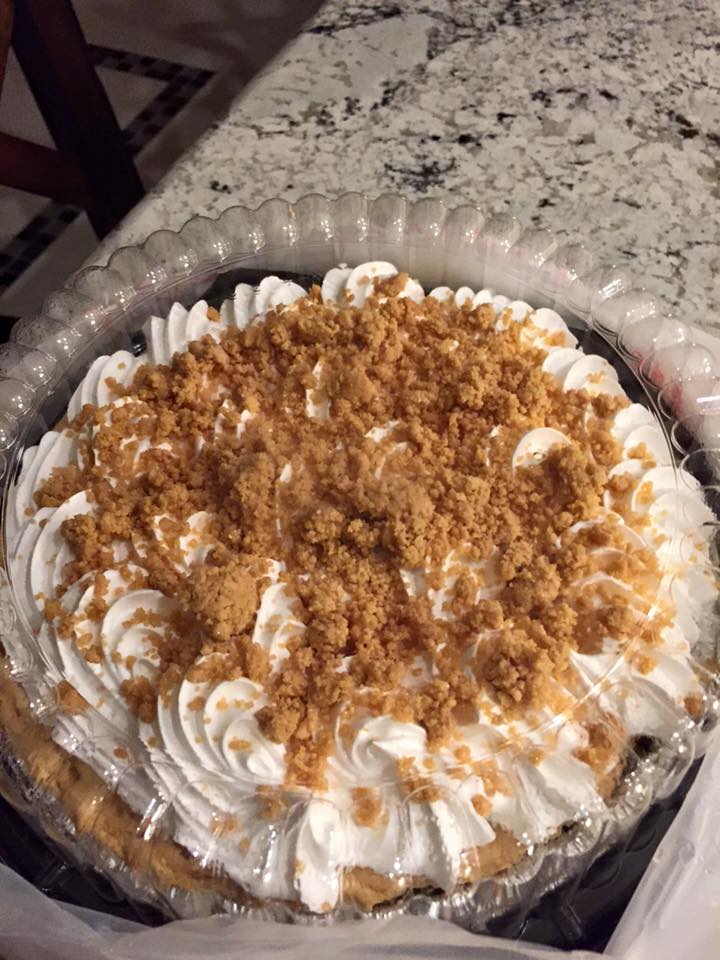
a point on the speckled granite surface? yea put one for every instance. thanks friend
(597, 117)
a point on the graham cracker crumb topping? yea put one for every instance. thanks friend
(408, 478)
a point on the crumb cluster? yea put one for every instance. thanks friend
(351, 515)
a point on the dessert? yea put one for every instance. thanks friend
(372, 590)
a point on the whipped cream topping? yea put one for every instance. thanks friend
(205, 751)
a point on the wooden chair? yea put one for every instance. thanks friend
(91, 167)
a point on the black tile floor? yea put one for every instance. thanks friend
(181, 83)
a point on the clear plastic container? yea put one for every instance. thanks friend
(659, 363)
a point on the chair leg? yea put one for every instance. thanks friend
(47, 173)
(6, 19)
(53, 54)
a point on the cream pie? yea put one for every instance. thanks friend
(369, 590)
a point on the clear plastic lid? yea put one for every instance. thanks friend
(660, 364)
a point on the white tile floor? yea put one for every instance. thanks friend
(231, 38)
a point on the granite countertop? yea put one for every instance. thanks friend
(600, 118)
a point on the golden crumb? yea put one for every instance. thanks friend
(367, 807)
(493, 780)
(273, 802)
(141, 697)
(223, 824)
(62, 484)
(599, 753)
(481, 805)
(222, 598)
(69, 699)
(418, 787)
(536, 756)
(694, 706)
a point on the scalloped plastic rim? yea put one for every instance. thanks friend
(440, 245)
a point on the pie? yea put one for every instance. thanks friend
(350, 591)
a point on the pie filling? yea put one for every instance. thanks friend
(334, 572)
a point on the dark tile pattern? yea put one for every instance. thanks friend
(181, 84)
